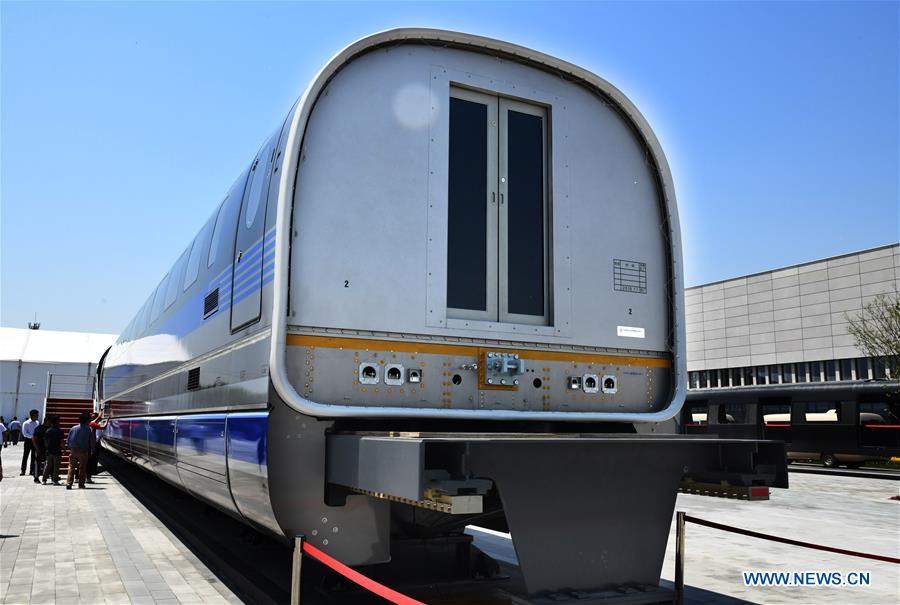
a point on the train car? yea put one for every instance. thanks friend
(835, 423)
(447, 288)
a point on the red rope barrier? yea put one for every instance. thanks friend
(371, 585)
(756, 534)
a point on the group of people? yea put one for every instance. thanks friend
(43, 447)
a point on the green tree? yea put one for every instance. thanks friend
(877, 330)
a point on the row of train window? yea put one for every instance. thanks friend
(870, 412)
(790, 373)
(210, 245)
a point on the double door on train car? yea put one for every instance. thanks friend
(252, 250)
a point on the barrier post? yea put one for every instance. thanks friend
(296, 567)
(679, 558)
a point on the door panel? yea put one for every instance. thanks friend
(202, 463)
(248, 469)
(524, 216)
(246, 284)
(161, 443)
(472, 206)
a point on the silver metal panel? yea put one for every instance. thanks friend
(381, 465)
(248, 476)
(356, 532)
(388, 212)
(342, 195)
(449, 381)
(202, 463)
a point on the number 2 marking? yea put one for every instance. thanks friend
(346, 283)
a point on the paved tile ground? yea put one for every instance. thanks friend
(844, 512)
(91, 546)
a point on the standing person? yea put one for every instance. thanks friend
(15, 429)
(40, 450)
(5, 431)
(81, 444)
(53, 443)
(28, 432)
(97, 429)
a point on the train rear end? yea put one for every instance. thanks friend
(481, 317)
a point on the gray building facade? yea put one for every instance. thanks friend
(787, 325)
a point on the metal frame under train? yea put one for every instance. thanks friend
(403, 319)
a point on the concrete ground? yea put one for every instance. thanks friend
(91, 546)
(843, 512)
(101, 545)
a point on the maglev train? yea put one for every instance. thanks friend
(453, 260)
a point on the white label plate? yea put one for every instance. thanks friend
(630, 331)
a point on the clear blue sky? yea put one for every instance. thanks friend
(123, 124)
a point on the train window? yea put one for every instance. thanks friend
(175, 280)
(216, 235)
(258, 179)
(823, 411)
(733, 413)
(875, 412)
(201, 242)
(498, 205)
(471, 262)
(775, 413)
(158, 300)
(523, 212)
(697, 413)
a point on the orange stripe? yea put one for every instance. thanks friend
(333, 342)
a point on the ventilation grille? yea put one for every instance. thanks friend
(211, 302)
(193, 379)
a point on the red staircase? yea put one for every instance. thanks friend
(68, 411)
(68, 397)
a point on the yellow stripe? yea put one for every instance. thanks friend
(333, 342)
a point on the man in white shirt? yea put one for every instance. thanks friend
(28, 432)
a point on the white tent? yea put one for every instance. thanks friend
(27, 356)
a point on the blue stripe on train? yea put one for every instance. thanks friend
(189, 314)
(200, 434)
